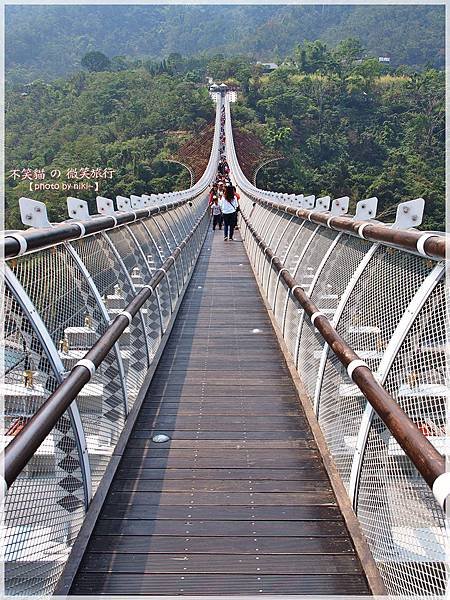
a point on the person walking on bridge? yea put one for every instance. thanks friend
(216, 213)
(228, 205)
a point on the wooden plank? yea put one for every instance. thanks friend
(216, 485)
(126, 584)
(223, 499)
(210, 434)
(217, 513)
(299, 456)
(230, 544)
(132, 459)
(284, 423)
(219, 529)
(236, 408)
(224, 444)
(141, 474)
(223, 564)
(237, 397)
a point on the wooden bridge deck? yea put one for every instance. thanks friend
(238, 502)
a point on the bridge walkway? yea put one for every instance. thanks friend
(238, 502)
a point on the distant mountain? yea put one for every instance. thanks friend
(49, 41)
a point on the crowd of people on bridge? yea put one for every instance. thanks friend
(223, 197)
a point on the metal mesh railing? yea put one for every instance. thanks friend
(386, 301)
(367, 290)
(403, 524)
(367, 320)
(45, 507)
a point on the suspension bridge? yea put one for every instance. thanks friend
(188, 416)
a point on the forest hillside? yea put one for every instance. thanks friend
(50, 41)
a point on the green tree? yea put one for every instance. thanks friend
(95, 61)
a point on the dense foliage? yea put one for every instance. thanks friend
(349, 128)
(50, 41)
(127, 121)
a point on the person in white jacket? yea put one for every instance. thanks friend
(229, 206)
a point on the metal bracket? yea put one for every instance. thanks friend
(78, 209)
(322, 204)
(308, 202)
(33, 213)
(299, 200)
(136, 202)
(148, 199)
(339, 206)
(105, 206)
(123, 203)
(366, 209)
(409, 214)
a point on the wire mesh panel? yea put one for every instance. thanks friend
(63, 299)
(295, 251)
(267, 230)
(186, 217)
(258, 215)
(116, 290)
(288, 238)
(186, 220)
(260, 224)
(278, 229)
(45, 507)
(401, 520)
(181, 232)
(163, 290)
(328, 289)
(374, 307)
(307, 267)
(147, 245)
(290, 312)
(138, 273)
(282, 239)
(167, 243)
(175, 234)
(293, 232)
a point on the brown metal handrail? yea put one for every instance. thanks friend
(428, 461)
(22, 448)
(37, 239)
(430, 244)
